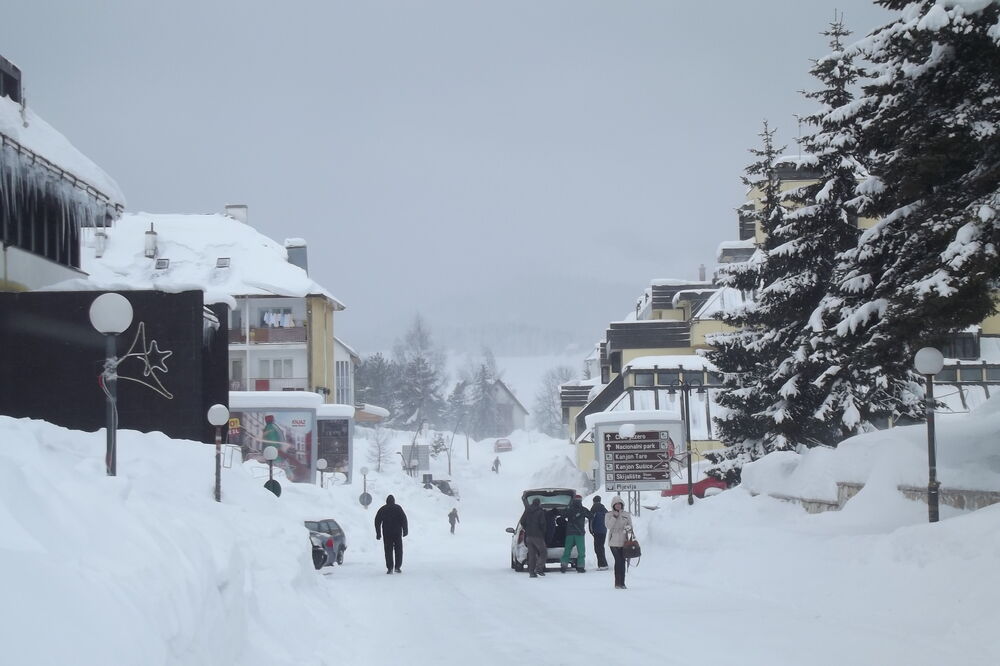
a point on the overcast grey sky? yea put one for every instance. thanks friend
(488, 164)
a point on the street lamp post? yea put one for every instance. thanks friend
(111, 314)
(928, 362)
(321, 466)
(218, 415)
(685, 386)
(270, 453)
(365, 498)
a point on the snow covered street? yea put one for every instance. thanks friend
(147, 569)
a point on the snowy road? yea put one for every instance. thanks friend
(703, 598)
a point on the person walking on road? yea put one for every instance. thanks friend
(619, 524)
(534, 524)
(453, 518)
(599, 531)
(496, 465)
(576, 527)
(390, 522)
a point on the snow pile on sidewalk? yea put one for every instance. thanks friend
(145, 567)
(968, 457)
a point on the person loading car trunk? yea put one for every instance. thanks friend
(576, 528)
(599, 531)
(533, 522)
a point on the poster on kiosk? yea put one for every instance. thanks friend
(635, 450)
(285, 420)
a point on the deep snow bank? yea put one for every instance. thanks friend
(145, 567)
(968, 456)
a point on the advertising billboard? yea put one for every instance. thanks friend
(291, 431)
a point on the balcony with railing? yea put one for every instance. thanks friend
(269, 335)
(269, 384)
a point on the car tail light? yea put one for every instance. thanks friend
(520, 536)
(329, 543)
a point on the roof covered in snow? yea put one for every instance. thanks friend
(193, 244)
(725, 299)
(670, 362)
(33, 133)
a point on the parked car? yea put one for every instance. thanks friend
(502, 445)
(554, 502)
(706, 487)
(445, 487)
(328, 542)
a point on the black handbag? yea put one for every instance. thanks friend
(631, 549)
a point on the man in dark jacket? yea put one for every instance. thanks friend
(534, 524)
(390, 521)
(576, 527)
(599, 531)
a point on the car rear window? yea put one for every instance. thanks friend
(549, 500)
(312, 525)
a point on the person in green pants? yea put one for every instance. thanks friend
(576, 527)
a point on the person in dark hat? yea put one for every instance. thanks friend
(576, 526)
(390, 522)
(534, 524)
(599, 531)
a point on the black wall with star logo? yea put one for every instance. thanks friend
(51, 358)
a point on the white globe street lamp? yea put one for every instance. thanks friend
(928, 362)
(111, 314)
(321, 465)
(270, 454)
(218, 415)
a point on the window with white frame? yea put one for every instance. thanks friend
(344, 394)
(276, 368)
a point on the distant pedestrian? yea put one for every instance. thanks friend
(619, 524)
(599, 531)
(496, 465)
(453, 518)
(576, 527)
(534, 523)
(390, 522)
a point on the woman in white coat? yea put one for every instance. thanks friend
(619, 523)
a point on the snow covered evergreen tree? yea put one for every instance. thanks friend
(484, 413)
(548, 407)
(421, 366)
(930, 119)
(747, 356)
(376, 381)
(819, 224)
(457, 407)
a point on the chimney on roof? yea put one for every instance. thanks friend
(150, 243)
(297, 253)
(701, 273)
(237, 212)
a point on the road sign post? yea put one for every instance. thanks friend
(634, 449)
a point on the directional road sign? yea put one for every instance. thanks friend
(638, 462)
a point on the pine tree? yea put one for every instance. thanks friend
(930, 120)
(457, 408)
(748, 356)
(421, 364)
(376, 381)
(419, 394)
(820, 223)
(548, 407)
(484, 414)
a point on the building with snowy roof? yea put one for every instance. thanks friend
(281, 322)
(49, 191)
(645, 357)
